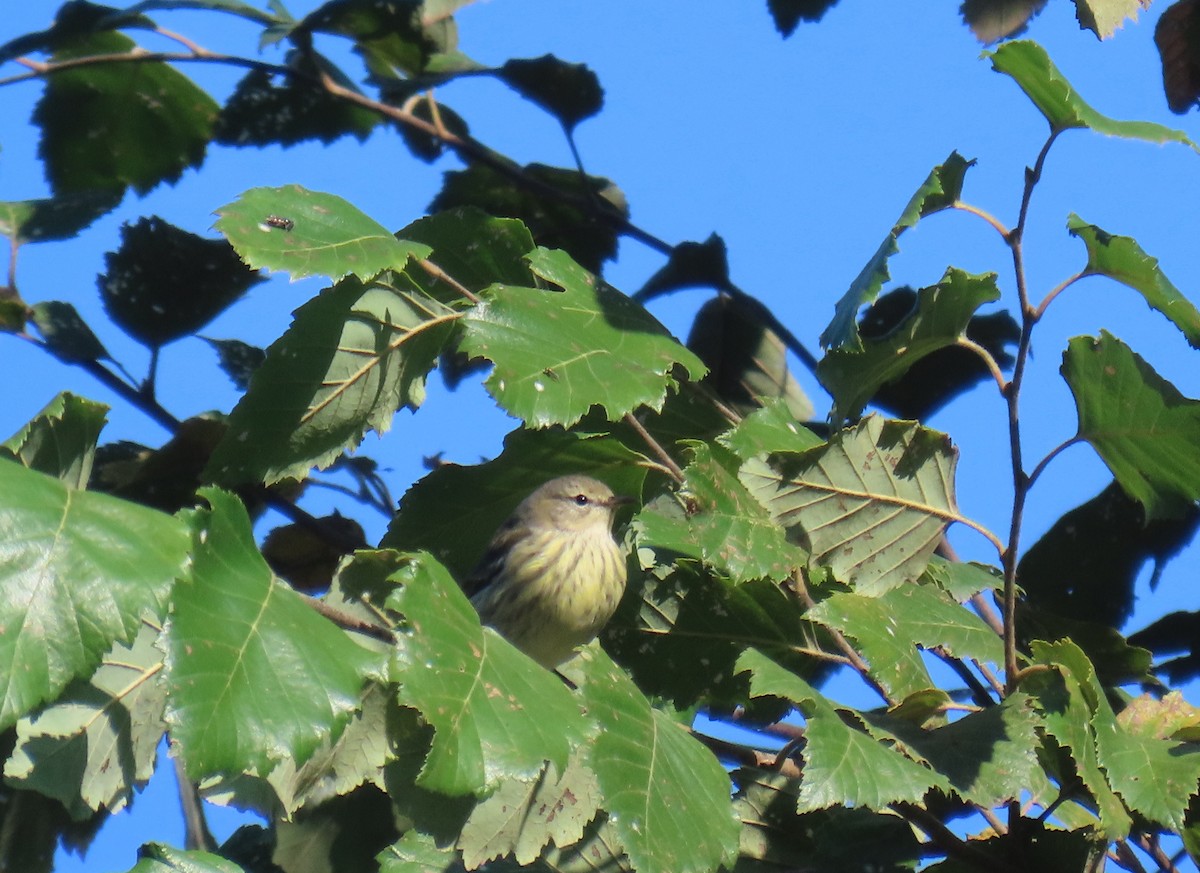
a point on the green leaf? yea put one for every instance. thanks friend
(932, 382)
(871, 505)
(154, 124)
(557, 352)
(1122, 259)
(843, 766)
(255, 674)
(943, 311)
(353, 356)
(157, 858)
(746, 358)
(735, 534)
(54, 219)
(771, 428)
(523, 816)
(569, 92)
(1141, 426)
(416, 852)
(80, 570)
(886, 629)
(939, 191)
(963, 580)
(823, 841)
(164, 283)
(1153, 777)
(496, 714)
(66, 334)
(60, 441)
(1105, 17)
(563, 217)
(988, 756)
(473, 247)
(667, 797)
(308, 233)
(1030, 67)
(98, 741)
(356, 757)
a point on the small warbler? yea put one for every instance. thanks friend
(552, 575)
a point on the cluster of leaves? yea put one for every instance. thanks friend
(379, 724)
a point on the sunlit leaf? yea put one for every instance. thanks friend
(1029, 65)
(1141, 426)
(843, 766)
(1122, 259)
(871, 505)
(496, 714)
(98, 741)
(157, 858)
(1105, 17)
(255, 674)
(939, 320)
(308, 233)
(558, 352)
(523, 816)
(666, 795)
(353, 356)
(61, 439)
(939, 191)
(79, 571)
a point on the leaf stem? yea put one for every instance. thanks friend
(1054, 292)
(1054, 453)
(988, 361)
(986, 216)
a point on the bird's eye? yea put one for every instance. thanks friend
(581, 500)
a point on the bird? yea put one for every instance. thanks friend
(552, 575)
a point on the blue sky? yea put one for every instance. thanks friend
(801, 153)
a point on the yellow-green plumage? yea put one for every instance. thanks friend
(553, 575)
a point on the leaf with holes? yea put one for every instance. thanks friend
(871, 505)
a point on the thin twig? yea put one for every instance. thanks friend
(655, 448)
(979, 693)
(1012, 395)
(197, 836)
(442, 276)
(946, 840)
(350, 622)
(746, 756)
(860, 666)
